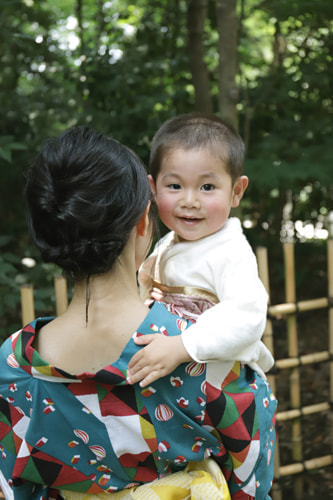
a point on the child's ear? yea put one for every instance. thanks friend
(152, 184)
(143, 224)
(239, 189)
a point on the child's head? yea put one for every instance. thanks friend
(86, 192)
(196, 167)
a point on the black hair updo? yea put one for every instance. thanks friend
(85, 194)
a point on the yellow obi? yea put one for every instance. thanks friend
(186, 290)
(199, 481)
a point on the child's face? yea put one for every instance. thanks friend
(194, 193)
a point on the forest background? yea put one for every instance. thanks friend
(124, 67)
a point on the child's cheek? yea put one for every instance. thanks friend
(218, 212)
(164, 205)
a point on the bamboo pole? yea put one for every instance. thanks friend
(330, 312)
(60, 285)
(294, 378)
(27, 304)
(306, 359)
(263, 270)
(306, 410)
(301, 306)
(314, 463)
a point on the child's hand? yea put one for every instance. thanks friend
(160, 357)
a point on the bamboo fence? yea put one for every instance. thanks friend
(288, 310)
(27, 299)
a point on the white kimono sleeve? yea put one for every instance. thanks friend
(232, 330)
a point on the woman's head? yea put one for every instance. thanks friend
(86, 192)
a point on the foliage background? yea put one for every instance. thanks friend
(124, 67)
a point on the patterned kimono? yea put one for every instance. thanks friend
(94, 433)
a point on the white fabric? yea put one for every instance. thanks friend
(224, 264)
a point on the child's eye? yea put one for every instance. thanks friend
(207, 187)
(174, 186)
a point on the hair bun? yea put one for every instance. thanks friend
(85, 192)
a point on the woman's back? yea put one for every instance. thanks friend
(94, 432)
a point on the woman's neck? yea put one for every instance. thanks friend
(115, 311)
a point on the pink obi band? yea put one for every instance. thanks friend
(186, 301)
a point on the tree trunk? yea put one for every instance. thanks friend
(100, 25)
(196, 16)
(227, 26)
(78, 8)
(279, 47)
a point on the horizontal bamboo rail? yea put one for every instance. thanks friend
(301, 306)
(306, 359)
(314, 463)
(304, 410)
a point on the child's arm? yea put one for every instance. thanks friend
(232, 330)
(160, 357)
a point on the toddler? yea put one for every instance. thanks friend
(204, 268)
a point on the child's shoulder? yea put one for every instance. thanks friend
(233, 226)
(167, 239)
(229, 244)
(231, 232)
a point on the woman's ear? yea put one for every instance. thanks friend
(144, 222)
(152, 184)
(239, 189)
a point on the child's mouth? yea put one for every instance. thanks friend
(190, 221)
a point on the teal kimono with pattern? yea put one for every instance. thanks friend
(96, 433)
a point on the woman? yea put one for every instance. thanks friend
(70, 424)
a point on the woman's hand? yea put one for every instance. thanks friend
(160, 357)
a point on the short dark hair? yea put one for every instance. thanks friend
(85, 194)
(198, 131)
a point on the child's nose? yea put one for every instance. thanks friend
(190, 199)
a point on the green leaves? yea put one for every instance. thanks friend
(123, 67)
(8, 145)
